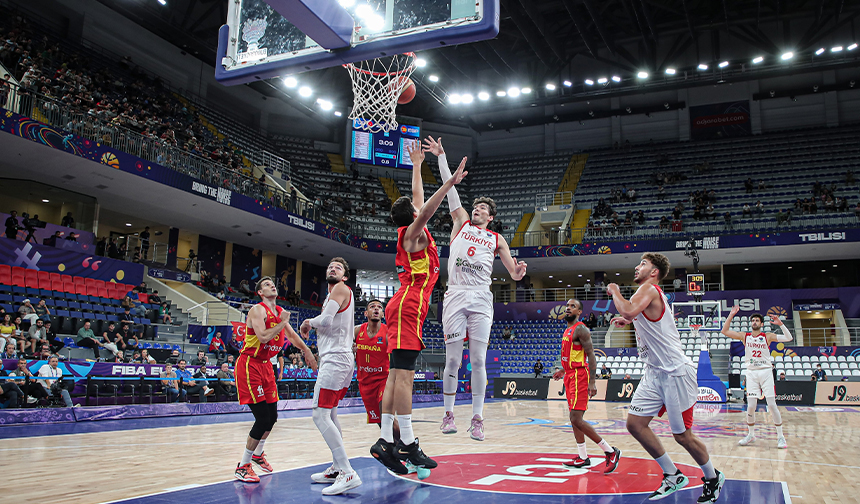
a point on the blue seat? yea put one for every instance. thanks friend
(86, 307)
(45, 293)
(62, 313)
(156, 346)
(58, 294)
(74, 305)
(76, 314)
(7, 298)
(100, 316)
(176, 347)
(8, 307)
(61, 303)
(32, 292)
(105, 301)
(147, 346)
(145, 321)
(113, 318)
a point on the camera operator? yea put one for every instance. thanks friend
(56, 386)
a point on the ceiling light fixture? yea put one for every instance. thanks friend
(703, 66)
(642, 75)
(757, 60)
(483, 96)
(589, 82)
(602, 80)
(567, 83)
(550, 87)
(616, 78)
(290, 82)
(836, 49)
(128, 224)
(501, 93)
(852, 47)
(526, 90)
(305, 91)
(420, 62)
(670, 71)
(466, 99)
(338, 113)
(787, 56)
(454, 98)
(433, 78)
(45, 201)
(513, 92)
(819, 52)
(724, 64)
(162, 2)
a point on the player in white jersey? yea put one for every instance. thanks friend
(468, 305)
(759, 370)
(669, 383)
(335, 327)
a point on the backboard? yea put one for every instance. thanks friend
(270, 38)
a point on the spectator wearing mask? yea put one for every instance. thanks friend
(819, 374)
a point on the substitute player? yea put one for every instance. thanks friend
(468, 305)
(759, 370)
(579, 385)
(417, 263)
(267, 330)
(335, 328)
(669, 383)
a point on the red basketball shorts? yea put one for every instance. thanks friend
(371, 389)
(255, 381)
(576, 388)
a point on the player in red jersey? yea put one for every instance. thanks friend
(417, 263)
(267, 331)
(579, 386)
(371, 357)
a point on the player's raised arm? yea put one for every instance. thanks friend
(785, 337)
(729, 333)
(416, 155)
(415, 231)
(517, 269)
(643, 297)
(458, 213)
(257, 317)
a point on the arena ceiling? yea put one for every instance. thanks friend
(553, 41)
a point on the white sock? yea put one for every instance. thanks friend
(666, 464)
(708, 469)
(388, 427)
(246, 457)
(332, 437)
(583, 452)
(406, 434)
(779, 431)
(478, 358)
(449, 401)
(752, 430)
(605, 446)
(453, 359)
(259, 450)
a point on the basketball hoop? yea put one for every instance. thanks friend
(694, 331)
(377, 85)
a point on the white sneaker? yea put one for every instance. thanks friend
(208, 391)
(328, 476)
(781, 444)
(31, 400)
(343, 482)
(749, 439)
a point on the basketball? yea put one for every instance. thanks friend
(407, 94)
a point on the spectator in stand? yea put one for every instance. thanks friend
(7, 330)
(747, 211)
(748, 185)
(87, 339)
(20, 335)
(135, 358)
(605, 372)
(661, 192)
(12, 225)
(146, 358)
(244, 288)
(710, 213)
(125, 337)
(201, 359)
(154, 298)
(9, 352)
(27, 312)
(42, 311)
(135, 307)
(37, 336)
(538, 368)
(664, 223)
(164, 313)
(144, 242)
(217, 347)
(170, 384)
(53, 381)
(759, 208)
(849, 177)
(201, 376)
(819, 374)
(68, 220)
(10, 393)
(226, 383)
(31, 388)
(783, 217)
(857, 210)
(782, 376)
(761, 185)
(191, 385)
(127, 318)
(727, 218)
(174, 357)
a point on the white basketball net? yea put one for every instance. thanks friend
(377, 85)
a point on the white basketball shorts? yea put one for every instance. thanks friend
(466, 310)
(335, 375)
(760, 383)
(660, 392)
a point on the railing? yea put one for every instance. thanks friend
(58, 114)
(580, 293)
(828, 336)
(211, 313)
(544, 200)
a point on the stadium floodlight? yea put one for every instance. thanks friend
(526, 90)
(466, 99)
(45, 201)
(128, 224)
(852, 46)
(702, 66)
(338, 113)
(514, 92)
(375, 23)
(433, 78)
(589, 82)
(364, 11)
(787, 56)
(836, 49)
(602, 80)
(567, 83)
(758, 59)
(670, 71)
(642, 75)
(454, 98)
(420, 62)
(324, 104)
(724, 64)
(290, 82)
(501, 93)
(550, 87)
(616, 78)
(819, 52)
(305, 91)
(483, 96)
(162, 2)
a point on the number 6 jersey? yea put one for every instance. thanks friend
(471, 255)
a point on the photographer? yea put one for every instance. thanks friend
(30, 226)
(55, 385)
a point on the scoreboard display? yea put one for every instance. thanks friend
(385, 149)
(695, 284)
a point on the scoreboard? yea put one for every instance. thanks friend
(695, 284)
(386, 149)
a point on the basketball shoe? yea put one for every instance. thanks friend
(781, 443)
(261, 461)
(612, 460)
(578, 462)
(671, 484)
(712, 488)
(246, 473)
(343, 482)
(448, 426)
(477, 428)
(385, 453)
(413, 453)
(748, 439)
(327, 476)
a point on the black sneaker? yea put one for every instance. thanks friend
(711, 488)
(412, 453)
(384, 452)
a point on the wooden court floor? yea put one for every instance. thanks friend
(821, 464)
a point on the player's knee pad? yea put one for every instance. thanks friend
(322, 418)
(273, 414)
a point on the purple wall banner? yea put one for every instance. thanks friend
(314, 286)
(55, 260)
(246, 265)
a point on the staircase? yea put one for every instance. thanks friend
(390, 188)
(336, 161)
(521, 229)
(579, 221)
(573, 173)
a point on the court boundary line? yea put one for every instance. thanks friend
(785, 495)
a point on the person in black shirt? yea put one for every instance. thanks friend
(12, 225)
(68, 221)
(144, 242)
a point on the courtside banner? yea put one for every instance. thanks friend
(521, 388)
(720, 120)
(557, 392)
(837, 393)
(621, 390)
(795, 393)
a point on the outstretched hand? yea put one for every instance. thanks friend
(433, 146)
(460, 174)
(775, 320)
(520, 270)
(735, 310)
(416, 155)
